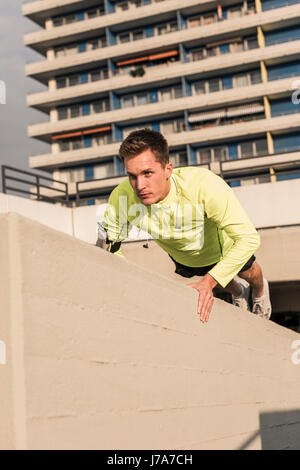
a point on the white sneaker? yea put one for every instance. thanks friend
(262, 305)
(243, 300)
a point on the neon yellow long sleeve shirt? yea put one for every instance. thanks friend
(199, 223)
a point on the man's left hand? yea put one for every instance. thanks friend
(205, 288)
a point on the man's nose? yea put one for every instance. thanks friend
(140, 183)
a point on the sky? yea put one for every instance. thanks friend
(16, 147)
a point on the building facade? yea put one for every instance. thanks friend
(219, 79)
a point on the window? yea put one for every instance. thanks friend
(197, 54)
(246, 149)
(104, 170)
(241, 80)
(170, 93)
(76, 143)
(214, 154)
(62, 113)
(166, 28)
(208, 19)
(214, 85)
(70, 19)
(235, 12)
(178, 158)
(236, 47)
(123, 6)
(64, 145)
(95, 76)
(194, 22)
(136, 35)
(142, 98)
(92, 14)
(199, 88)
(100, 106)
(57, 21)
(261, 147)
(255, 77)
(74, 80)
(127, 101)
(124, 37)
(204, 155)
(61, 83)
(75, 110)
(251, 42)
(173, 126)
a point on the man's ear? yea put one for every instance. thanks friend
(169, 169)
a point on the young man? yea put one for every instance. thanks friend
(193, 215)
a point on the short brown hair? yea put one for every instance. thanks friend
(139, 141)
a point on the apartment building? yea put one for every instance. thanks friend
(218, 78)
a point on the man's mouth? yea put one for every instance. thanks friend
(144, 195)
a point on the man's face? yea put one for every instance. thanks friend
(149, 180)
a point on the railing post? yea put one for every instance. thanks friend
(3, 179)
(38, 187)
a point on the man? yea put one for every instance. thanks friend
(193, 215)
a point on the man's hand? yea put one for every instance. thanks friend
(205, 287)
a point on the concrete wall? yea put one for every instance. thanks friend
(104, 354)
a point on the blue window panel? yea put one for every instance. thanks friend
(84, 78)
(81, 47)
(115, 100)
(111, 37)
(186, 121)
(192, 154)
(283, 35)
(234, 184)
(91, 202)
(80, 16)
(89, 172)
(149, 31)
(87, 141)
(187, 87)
(117, 133)
(147, 2)
(155, 126)
(224, 48)
(111, 67)
(290, 176)
(283, 71)
(109, 6)
(227, 83)
(286, 143)
(181, 21)
(183, 53)
(224, 13)
(86, 109)
(120, 169)
(153, 96)
(270, 4)
(232, 151)
(283, 107)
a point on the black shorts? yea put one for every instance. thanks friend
(188, 271)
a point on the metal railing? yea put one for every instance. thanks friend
(36, 185)
(89, 193)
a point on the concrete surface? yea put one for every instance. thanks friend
(104, 354)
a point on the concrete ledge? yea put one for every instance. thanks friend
(103, 354)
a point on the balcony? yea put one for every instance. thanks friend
(45, 39)
(213, 135)
(222, 30)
